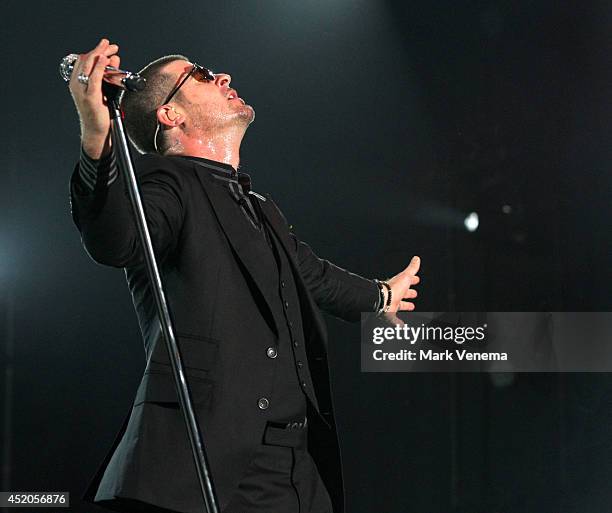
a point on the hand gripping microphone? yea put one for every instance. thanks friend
(124, 79)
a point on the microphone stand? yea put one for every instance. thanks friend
(124, 160)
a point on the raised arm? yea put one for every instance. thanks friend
(103, 214)
(100, 204)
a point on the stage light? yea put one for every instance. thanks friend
(471, 222)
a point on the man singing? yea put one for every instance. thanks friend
(245, 295)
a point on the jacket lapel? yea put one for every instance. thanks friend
(234, 228)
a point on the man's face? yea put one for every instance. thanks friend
(209, 104)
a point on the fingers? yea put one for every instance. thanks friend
(76, 70)
(405, 305)
(410, 294)
(80, 64)
(110, 50)
(90, 59)
(88, 95)
(413, 266)
(88, 62)
(115, 60)
(95, 77)
(409, 277)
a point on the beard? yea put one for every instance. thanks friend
(211, 118)
(251, 113)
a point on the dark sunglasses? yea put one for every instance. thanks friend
(198, 72)
(201, 74)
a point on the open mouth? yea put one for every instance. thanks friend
(233, 95)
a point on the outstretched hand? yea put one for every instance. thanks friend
(401, 287)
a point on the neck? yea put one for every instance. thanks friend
(222, 146)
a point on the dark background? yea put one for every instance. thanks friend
(380, 126)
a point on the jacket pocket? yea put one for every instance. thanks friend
(199, 354)
(158, 387)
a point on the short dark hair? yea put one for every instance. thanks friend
(140, 109)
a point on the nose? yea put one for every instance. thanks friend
(222, 79)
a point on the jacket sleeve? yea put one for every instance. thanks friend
(105, 219)
(335, 290)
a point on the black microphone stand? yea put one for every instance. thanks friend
(124, 160)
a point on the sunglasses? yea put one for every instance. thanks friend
(201, 74)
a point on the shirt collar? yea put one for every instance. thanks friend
(225, 171)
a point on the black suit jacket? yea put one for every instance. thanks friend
(224, 325)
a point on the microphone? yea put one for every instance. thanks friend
(119, 77)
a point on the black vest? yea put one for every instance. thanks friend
(288, 402)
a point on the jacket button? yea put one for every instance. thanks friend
(300, 364)
(286, 304)
(303, 384)
(282, 283)
(263, 403)
(271, 352)
(296, 343)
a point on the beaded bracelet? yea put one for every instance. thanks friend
(382, 306)
(389, 296)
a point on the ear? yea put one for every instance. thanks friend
(168, 116)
